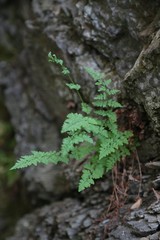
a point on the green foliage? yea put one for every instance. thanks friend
(93, 135)
(86, 108)
(73, 86)
(53, 58)
(38, 157)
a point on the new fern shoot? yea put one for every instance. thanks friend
(92, 135)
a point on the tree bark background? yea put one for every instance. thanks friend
(119, 38)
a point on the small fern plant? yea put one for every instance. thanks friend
(92, 135)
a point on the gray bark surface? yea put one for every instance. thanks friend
(119, 38)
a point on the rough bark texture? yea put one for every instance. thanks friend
(120, 38)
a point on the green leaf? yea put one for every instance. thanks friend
(65, 71)
(107, 113)
(108, 147)
(73, 86)
(112, 91)
(86, 108)
(101, 96)
(98, 131)
(76, 122)
(113, 144)
(82, 151)
(93, 136)
(108, 103)
(107, 82)
(86, 180)
(53, 58)
(112, 160)
(69, 142)
(94, 74)
(73, 122)
(112, 126)
(114, 104)
(102, 89)
(38, 157)
(111, 116)
(98, 171)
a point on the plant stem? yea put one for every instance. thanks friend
(72, 81)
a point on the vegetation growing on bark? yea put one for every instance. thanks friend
(93, 136)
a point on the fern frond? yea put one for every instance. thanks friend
(86, 180)
(108, 103)
(39, 157)
(127, 134)
(124, 151)
(77, 121)
(65, 71)
(73, 122)
(69, 142)
(53, 58)
(107, 113)
(94, 74)
(100, 104)
(98, 131)
(102, 113)
(101, 96)
(113, 144)
(102, 89)
(113, 104)
(112, 160)
(112, 126)
(81, 152)
(112, 91)
(112, 116)
(108, 147)
(104, 83)
(90, 172)
(73, 86)
(98, 171)
(86, 108)
(107, 82)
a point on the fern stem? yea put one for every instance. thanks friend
(79, 95)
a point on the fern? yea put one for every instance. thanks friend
(69, 142)
(108, 103)
(86, 108)
(101, 97)
(80, 153)
(92, 136)
(113, 144)
(112, 91)
(73, 86)
(111, 115)
(86, 180)
(91, 172)
(76, 122)
(39, 157)
(97, 76)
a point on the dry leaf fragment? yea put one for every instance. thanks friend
(154, 165)
(137, 204)
(131, 178)
(157, 194)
